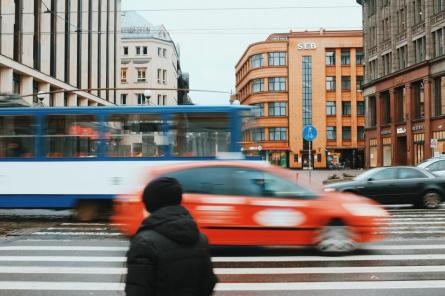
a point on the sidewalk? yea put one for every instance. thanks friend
(318, 176)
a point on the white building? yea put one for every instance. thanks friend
(149, 60)
(47, 46)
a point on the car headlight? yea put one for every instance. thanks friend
(365, 210)
(328, 189)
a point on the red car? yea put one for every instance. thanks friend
(253, 203)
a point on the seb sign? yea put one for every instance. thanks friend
(307, 45)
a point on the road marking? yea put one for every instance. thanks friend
(62, 248)
(60, 270)
(410, 232)
(327, 270)
(410, 219)
(414, 223)
(404, 247)
(90, 224)
(63, 258)
(61, 286)
(359, 285)
(416, 257)
(419, 216)
(77, 228)
(78, 233)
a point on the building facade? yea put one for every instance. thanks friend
(149, 59)
(404, 81)
(60, 46)
(304, 78)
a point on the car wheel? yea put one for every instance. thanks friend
(431, 200)
(336, 238)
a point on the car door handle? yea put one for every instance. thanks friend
(360, 187)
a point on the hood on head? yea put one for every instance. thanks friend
(174, 222)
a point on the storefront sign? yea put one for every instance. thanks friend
(401, 130)
(307, 45)
(385, 133)
(434, 143)
(256, 148)
(418, 127)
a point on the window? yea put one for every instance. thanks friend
(402, 54)
(439, 104)
(141, 99)
(71, 135)
(159, 52)
(419, 14)
(387, 63)
(277, 109)
(159, 75)
(259, 135)
(307, 90)
(200, 134)
(359, 57)
(257, 61)
(159, 99)
(399, 94)
(164, 100)
(346, 108)
(277, 58)
(371, 118)
(331, 108)
(135, 135)
(385, 107)
(360, 108)
(384, 174)
(257, 85)
(330, 83)
(407, 173)
(16, 136)
(420, 49)
(372, 7)
(124, 99)
(419, 100)
(438, 43)
(277, 134)
(438, 6)
(138, 50)
(145, 50)
(359, 84)
(372, 69)
(277, 84)
(331, 133)
(259, 109)
(360, 133)
(164, 76)
(124, 75)
(125, 50)
(142, 74)
(346, 133)
(345, 57)
(436, 166)
(330, 57)
(346, 83)
(164, 52)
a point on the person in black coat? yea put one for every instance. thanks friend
(168, 255)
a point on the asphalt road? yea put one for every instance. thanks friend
(53, 255)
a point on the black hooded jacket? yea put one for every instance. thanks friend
(169, 256)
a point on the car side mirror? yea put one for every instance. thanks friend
(370, 179)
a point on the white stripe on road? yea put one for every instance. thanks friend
(63, 258)
(327, 270)
(409, 219)
(404, 247)
(77, 233)
(411, 232)
(419, 216)
(90, 224)
(307, 286)
(62, 248)
(302, 286)
(416, 257)
(413, 223)
(61, 286)
(78, 228)
(60, 270)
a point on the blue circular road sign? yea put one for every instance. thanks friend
(309, 132)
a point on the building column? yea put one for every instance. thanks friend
(409, 125)
(72, 100)
(92, 103)
(379, 130)
(83, 101)
(26, 89)
(427, 116)
(392, 101)
(6, 80)
(59, 99)
(45, 87)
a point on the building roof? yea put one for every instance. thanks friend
(135, 26)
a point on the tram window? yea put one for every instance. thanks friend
(71, 135)
(200, 134)
(135, 135)
(17, 136)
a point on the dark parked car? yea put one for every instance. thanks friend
(397, 185)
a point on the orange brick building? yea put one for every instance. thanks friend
(301, 78)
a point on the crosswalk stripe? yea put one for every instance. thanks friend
(307, 286)
(62, 286)
(77, 233)
(62, 248)
(77, 228)
(61, 270)
(63, 258)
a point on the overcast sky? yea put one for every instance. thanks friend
(211, 42)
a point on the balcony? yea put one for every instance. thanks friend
(418, 28)
(437, 18)
(386, 44)
(401, 36)
(373, 50)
